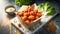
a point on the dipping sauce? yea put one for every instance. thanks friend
(10, 9)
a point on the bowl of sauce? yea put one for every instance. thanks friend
(10, 9)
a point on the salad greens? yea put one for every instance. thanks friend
(22, 2)
(51, 11)
(40, 7)
(46, 7)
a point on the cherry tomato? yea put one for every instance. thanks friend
(19, 25)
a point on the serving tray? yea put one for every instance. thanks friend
(44, 20)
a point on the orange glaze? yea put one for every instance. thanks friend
(20, 13)
(27, 22)
(29, 15)
(24, 18)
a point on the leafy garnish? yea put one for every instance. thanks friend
(22, 2)
(46, 7)
(41, 7)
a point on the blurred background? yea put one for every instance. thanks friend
(4, 29)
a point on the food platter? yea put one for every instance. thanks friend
(44, 20)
